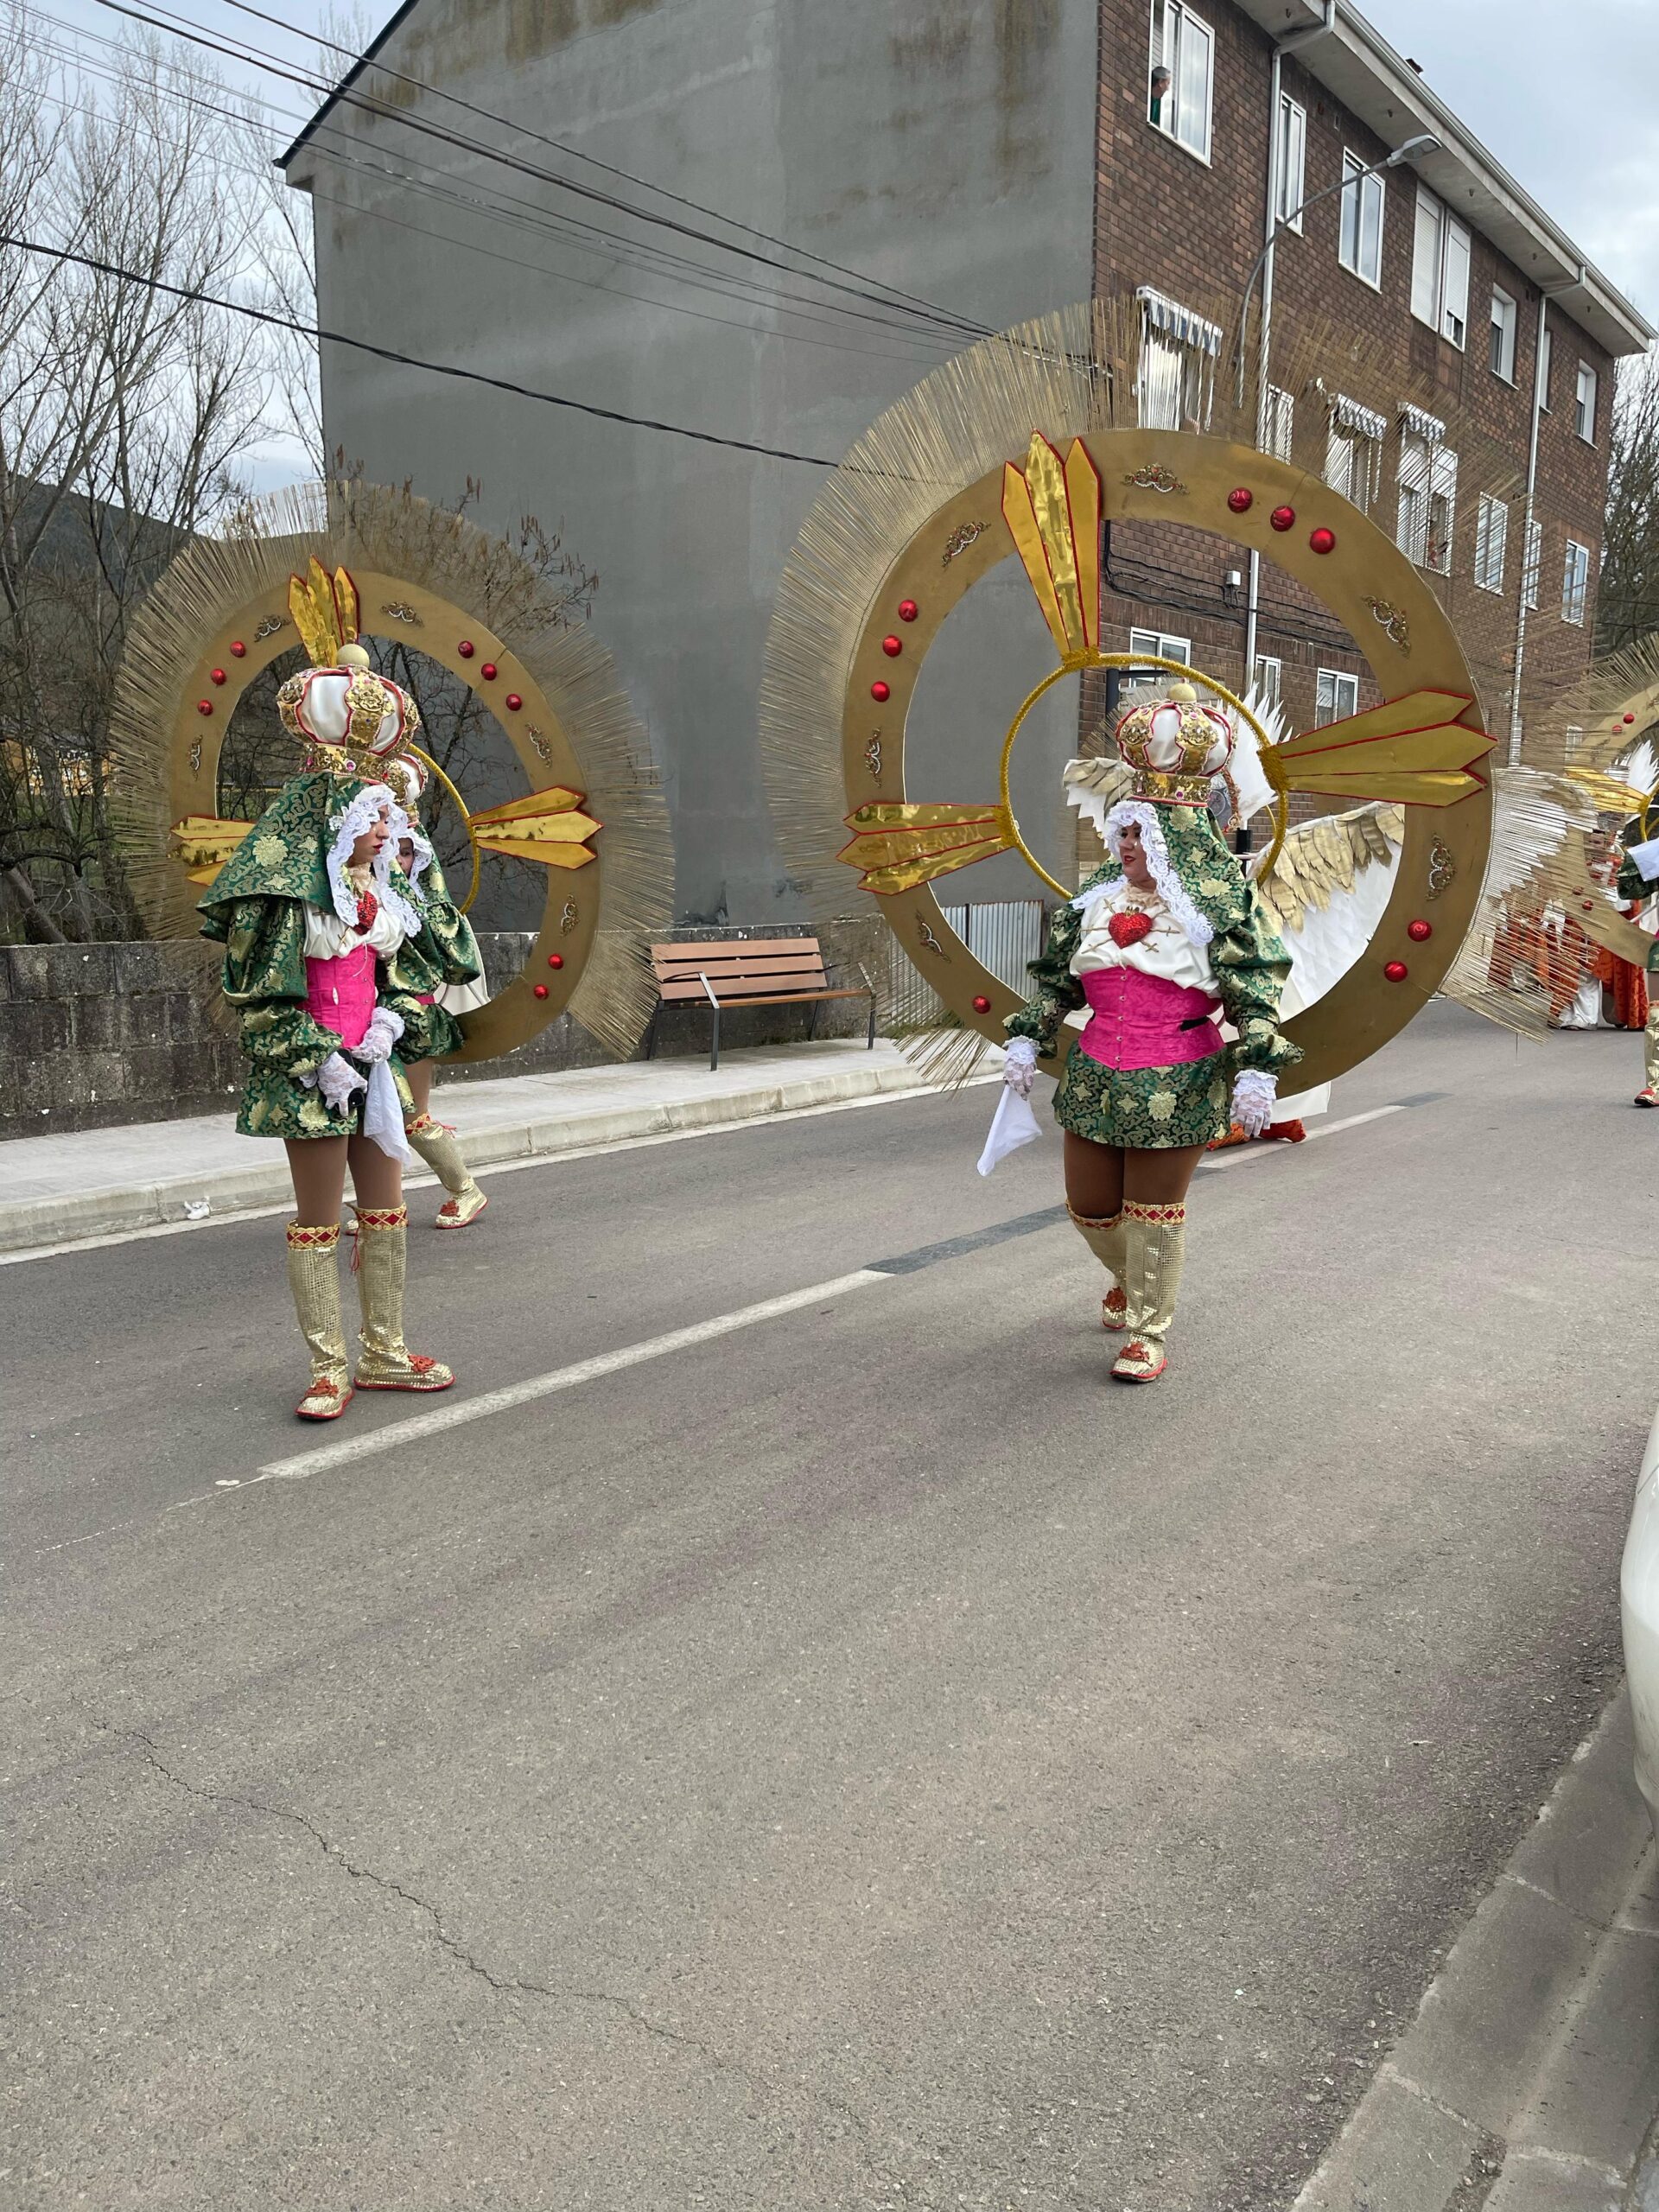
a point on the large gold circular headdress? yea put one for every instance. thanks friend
(1016, 450)
(309, 567)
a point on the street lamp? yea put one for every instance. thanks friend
(1426, 144)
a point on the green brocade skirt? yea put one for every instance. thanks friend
(278, 1105)
(1144, 1110)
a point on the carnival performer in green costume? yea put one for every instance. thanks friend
(331, 967)
(463, 988)
(1161, 940)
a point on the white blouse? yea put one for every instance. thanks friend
(1166, 951)
(327, 937)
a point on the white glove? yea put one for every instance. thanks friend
(1255, 1093)
(1020, 1066)
(337, 1080)
(385, 1028)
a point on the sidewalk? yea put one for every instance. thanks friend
(1529, 2080)
(61, 1189)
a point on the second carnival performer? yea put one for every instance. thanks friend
(1637, 883)
(1165, 936)
(463, 988)
(331, 969)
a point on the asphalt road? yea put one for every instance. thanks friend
(867, 1760)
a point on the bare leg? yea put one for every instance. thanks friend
(377, 1179)
(1160, 1179)
(1094, 1177)
(318, 1167)
(419, 1073)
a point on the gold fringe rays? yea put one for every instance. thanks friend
(1044, 382)
(365, 526)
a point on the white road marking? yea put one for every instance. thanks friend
(1243, 1152)
(484, 1174)
(455, 1415)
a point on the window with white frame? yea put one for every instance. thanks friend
(1575, 583)
(1492, 535)
(1505, 317)
(1268, 679)
(1176, 382)
(1360, 240)
(1428, 492)
(1546, 365)
(1583, 408)
(1159, 645)
(1278, 423)
(1440, 268)
(1290, 168)
(1353, 450)
(1532, 565)
(1337, 697)
(1182, 75)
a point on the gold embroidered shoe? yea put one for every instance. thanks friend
(435, 1140)
(314, 1278)
(1155, 1236)
(1113, 1311)
(387, 1362)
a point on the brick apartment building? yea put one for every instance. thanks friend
(1443, 269)
(899, 161)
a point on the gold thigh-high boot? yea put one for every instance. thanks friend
(387, 1362)
(1154, 1237)
(314, 1278)
(1104, 1236)
(1649, 1094)
(435, 1142)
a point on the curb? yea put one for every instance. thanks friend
(62, 1222)
(1529, 2079)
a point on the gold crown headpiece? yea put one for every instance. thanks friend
(1174, 746)
(339, 707)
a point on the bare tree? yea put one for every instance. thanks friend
(1627, 597)
(125, 412)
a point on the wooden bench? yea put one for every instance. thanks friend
(746, 971)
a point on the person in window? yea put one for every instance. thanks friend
(1159, 93)
(1167, 934)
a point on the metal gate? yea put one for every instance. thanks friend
(1006, 937)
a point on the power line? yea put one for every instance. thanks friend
(575, 153)
(502, 206)
(462, 201)
(411, 360)
(383, 112)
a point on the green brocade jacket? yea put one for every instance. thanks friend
(255, 909)
(1248, 959)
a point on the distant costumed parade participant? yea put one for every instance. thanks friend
(435, 1141)
(331, 967)
(1167, 934)
(1637, 884)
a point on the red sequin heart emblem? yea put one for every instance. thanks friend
(1129, 929)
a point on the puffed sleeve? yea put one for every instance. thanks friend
(1633, 887)
(1059, 992)
(1251, 966)
(264, 979)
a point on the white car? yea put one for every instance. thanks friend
(1639, 1597)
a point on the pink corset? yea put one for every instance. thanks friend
(1136, 1021)
(340, 994)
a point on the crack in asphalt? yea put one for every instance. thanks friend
(504, 1984)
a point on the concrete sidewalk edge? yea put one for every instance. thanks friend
(1529, 2080)
(65, 1220)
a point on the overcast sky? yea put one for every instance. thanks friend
(1564, 98)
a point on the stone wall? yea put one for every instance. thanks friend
(95, 1035)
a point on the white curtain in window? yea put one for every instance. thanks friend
(1425, 259)
(1454, 283)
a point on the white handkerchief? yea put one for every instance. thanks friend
(1011, 1125)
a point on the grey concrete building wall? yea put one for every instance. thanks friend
(945, 147)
